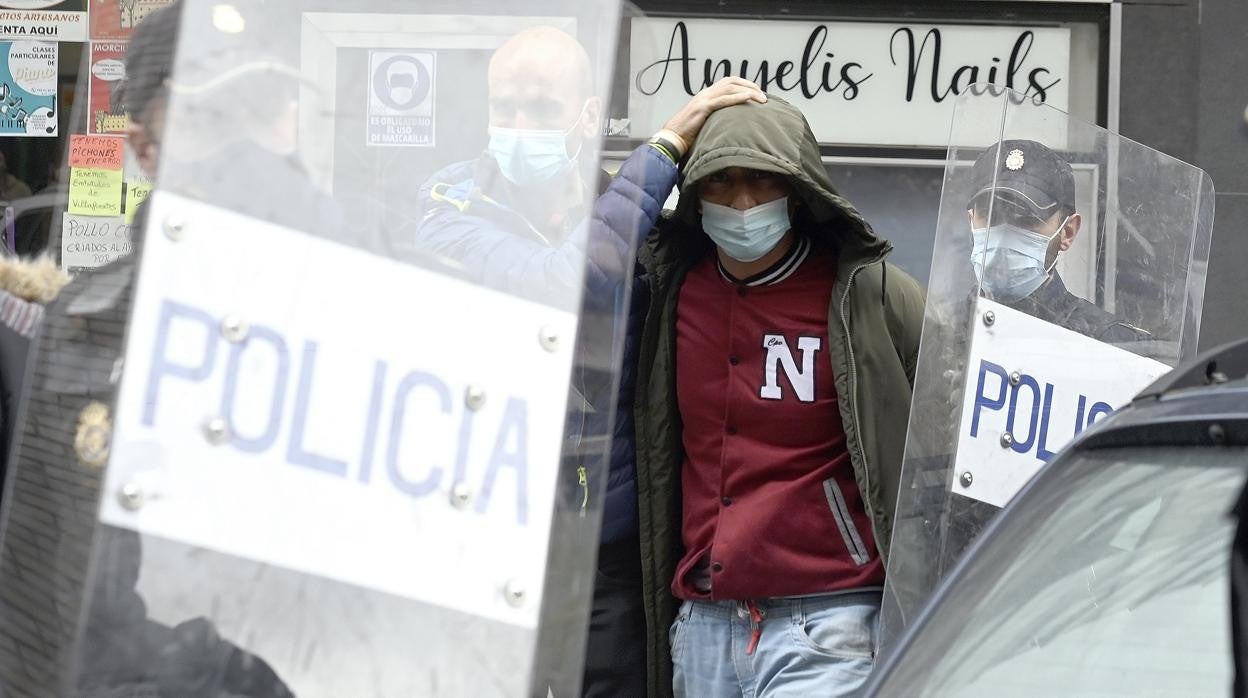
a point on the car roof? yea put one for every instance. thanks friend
(1202, 402)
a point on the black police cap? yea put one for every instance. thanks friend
(1027, 173)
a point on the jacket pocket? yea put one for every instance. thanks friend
(845, 522)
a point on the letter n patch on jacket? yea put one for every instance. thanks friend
(779, 355)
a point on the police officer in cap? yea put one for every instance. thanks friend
(1022, 217)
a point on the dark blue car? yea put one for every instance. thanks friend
(1109, 574)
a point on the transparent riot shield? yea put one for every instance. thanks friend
(1068, 273)
(339, 426)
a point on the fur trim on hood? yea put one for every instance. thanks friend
(37, 280)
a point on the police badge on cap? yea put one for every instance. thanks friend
(1027, 173)
(94, 435)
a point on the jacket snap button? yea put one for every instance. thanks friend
(716, 567)
(734, 360)
(727, 501)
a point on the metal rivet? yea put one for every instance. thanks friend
(460, 495)
(967, 478)
(217, 431)
(1217, 433)
(1007, 440)
(549, 339)
(1016, 378)
(474, 397)
(131, 497)
(234, 329)
(990, 318)
(514, 593)
(175, 228)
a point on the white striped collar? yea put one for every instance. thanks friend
(781, 270)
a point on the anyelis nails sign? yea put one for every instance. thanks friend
(856, 82)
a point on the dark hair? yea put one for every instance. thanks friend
(149, 60)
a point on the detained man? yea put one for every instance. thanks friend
(773, 395)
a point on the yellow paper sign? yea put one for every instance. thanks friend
(136, 193)
(94, 192)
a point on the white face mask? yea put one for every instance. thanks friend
(1009, 261)
(747, 235)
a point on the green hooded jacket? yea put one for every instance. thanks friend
(874, 320)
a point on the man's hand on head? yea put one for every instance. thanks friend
(730, 91)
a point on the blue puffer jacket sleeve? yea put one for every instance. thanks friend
(631, 204)
(494, 246)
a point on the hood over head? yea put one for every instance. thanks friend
(775, 137)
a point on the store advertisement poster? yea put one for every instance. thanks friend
(28, 102)
(95, 175)
(50, 20)
(116, 19)
(108, 67)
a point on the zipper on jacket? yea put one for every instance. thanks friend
(582, 479)
(853, 380)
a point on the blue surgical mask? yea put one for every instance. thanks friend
(1009, 261)
(532, 156)
(747, 235)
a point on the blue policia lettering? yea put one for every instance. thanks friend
(1035, 409)
(420, 407)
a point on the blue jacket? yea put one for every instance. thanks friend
(497, 247)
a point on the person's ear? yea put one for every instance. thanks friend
(591, 124)
(1070, 231)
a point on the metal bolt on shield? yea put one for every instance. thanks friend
(514, 593)
(474, 397)
(217, 431)
(990, 318)
(234, 329)
(1016, 378)
(549, 339)
(967, 478)
(1007, 440)
(131, 497)
(175, 228)
(460, 495)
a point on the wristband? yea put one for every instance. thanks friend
(667, 148)
(679, 141)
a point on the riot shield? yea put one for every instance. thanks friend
(1068, 273)
(340, 425)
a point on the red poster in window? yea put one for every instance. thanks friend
(107, 69)
(116, 19)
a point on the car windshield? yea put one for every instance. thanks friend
(1110, 579)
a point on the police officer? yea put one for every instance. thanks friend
(1022, 217)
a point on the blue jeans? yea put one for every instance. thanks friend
(813, 647)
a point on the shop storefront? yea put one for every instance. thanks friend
(878, 82)
(61, 133)
(878, 85)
